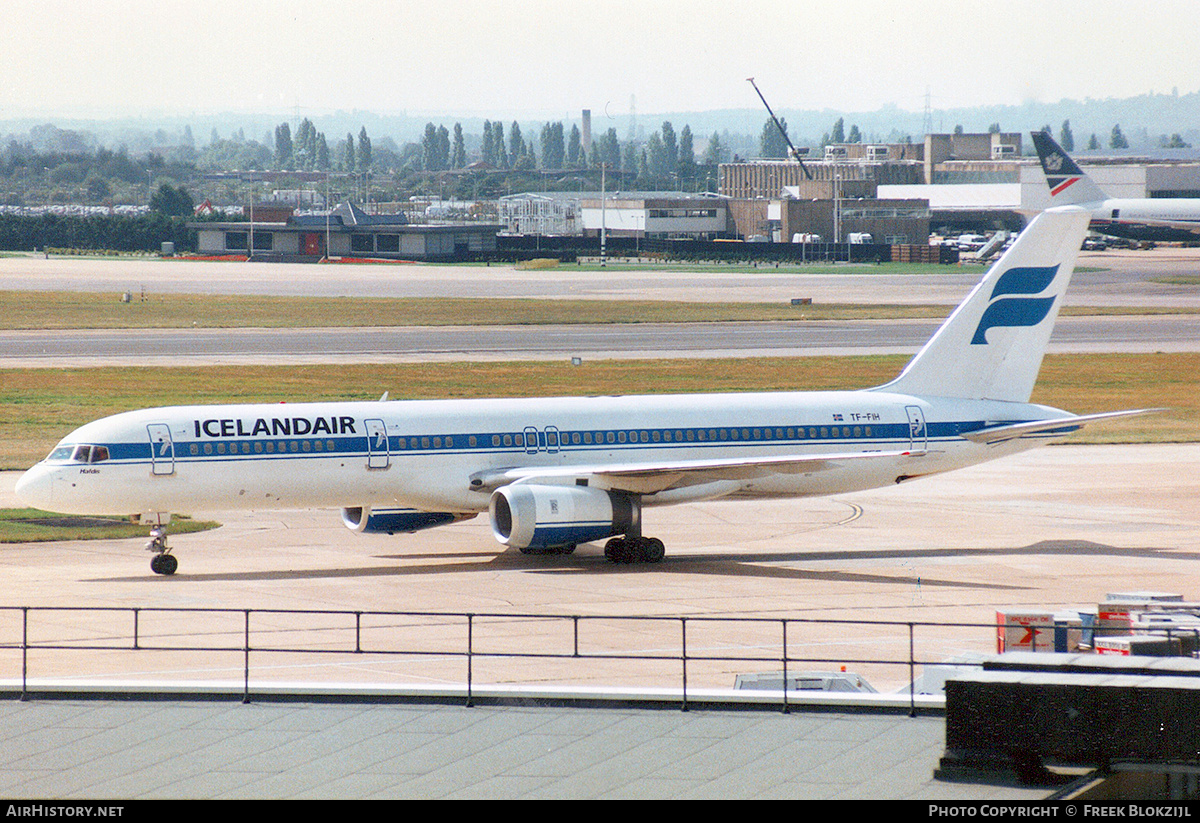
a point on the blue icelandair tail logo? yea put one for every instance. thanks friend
(1003, 310)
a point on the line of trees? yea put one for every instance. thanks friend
(308, 150)
(665, 158)
(114, 232)
(86, 176)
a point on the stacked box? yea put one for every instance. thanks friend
(1024, 630)
(1148, 645)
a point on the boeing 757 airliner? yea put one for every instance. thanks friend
(555, 472)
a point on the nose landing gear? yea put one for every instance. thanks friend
(163, 561)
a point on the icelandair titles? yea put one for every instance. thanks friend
(274, 427)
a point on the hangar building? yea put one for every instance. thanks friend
(346, 231)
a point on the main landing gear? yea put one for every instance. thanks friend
(634, 550)
(163, 561)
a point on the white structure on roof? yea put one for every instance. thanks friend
(640, 214)
(545, 213)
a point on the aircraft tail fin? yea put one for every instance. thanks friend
(1067, 182)
(991, 346)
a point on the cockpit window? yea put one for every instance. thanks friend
(78, 454)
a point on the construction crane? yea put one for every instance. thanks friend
(792, 150)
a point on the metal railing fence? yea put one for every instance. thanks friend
(472, 637)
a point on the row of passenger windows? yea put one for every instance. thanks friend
(552, 439)
(267, 447)
(589, 438)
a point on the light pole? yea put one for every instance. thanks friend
(603, 216)
(250, 250)
(837, 203)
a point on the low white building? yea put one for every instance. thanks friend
(697, 217)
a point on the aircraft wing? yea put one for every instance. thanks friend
(652, 477)
(1058, 426)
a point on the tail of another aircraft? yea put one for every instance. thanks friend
(991, 346)
(1068, 184)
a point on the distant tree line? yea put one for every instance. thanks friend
(507, 156)
(308, 150)
(663, 159)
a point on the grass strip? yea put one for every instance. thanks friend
(35, 526)
(96, 310)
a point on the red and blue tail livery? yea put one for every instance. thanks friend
(1165, 219)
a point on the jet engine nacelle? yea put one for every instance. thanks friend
(364, 519)
(529, 516)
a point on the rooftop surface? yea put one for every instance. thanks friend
(182, 748)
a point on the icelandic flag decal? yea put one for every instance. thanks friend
(1004, 310)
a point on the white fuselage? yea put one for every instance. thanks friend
(1146, 218)
(425, 454)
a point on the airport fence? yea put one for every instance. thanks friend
(514, 248)
(679, 656)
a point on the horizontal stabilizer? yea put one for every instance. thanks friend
(1057, 426)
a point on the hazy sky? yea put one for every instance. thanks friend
(495, 58)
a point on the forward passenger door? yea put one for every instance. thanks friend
(162, 449)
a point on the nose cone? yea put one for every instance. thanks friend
(34, 487)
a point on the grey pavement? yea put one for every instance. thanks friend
(180, 748)
(168, 347)
(1101, 279)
